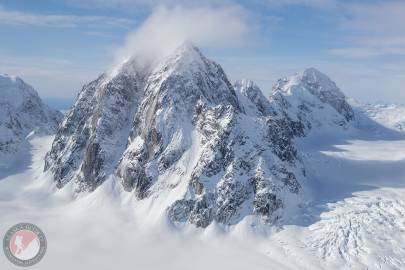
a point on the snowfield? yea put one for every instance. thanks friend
(353, 220)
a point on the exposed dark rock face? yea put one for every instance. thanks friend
(94, 134)
(181, 136)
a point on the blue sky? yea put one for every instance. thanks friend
(57, 46)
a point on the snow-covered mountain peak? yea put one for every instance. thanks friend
(184, 57)
(198, 149)
(312, 97)
(9, 81)
(6, 78)
(314, 76)
(180, 140)
(13, 90)
(185, 60)
(312, 80)
(21, 112)
(188, 74)
(21, 102)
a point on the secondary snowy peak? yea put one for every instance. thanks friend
(179, 139)
(323, 87)
(312, 99)
(14, 90)
(22, 112)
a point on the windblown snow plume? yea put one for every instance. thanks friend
(167, 28)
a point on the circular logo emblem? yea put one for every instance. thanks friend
(24, 244)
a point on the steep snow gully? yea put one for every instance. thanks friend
(174, 162)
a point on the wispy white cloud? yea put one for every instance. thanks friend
(167, 28)
(141, 5)
(373, 29)
(321, 4)
(52, 77)
(129, 5)
(13, 17)
(366, 32)
(376, 17)
(368, 51)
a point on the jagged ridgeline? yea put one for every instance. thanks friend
(181, 135)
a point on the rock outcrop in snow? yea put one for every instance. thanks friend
(22, 112)
(182, 137)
